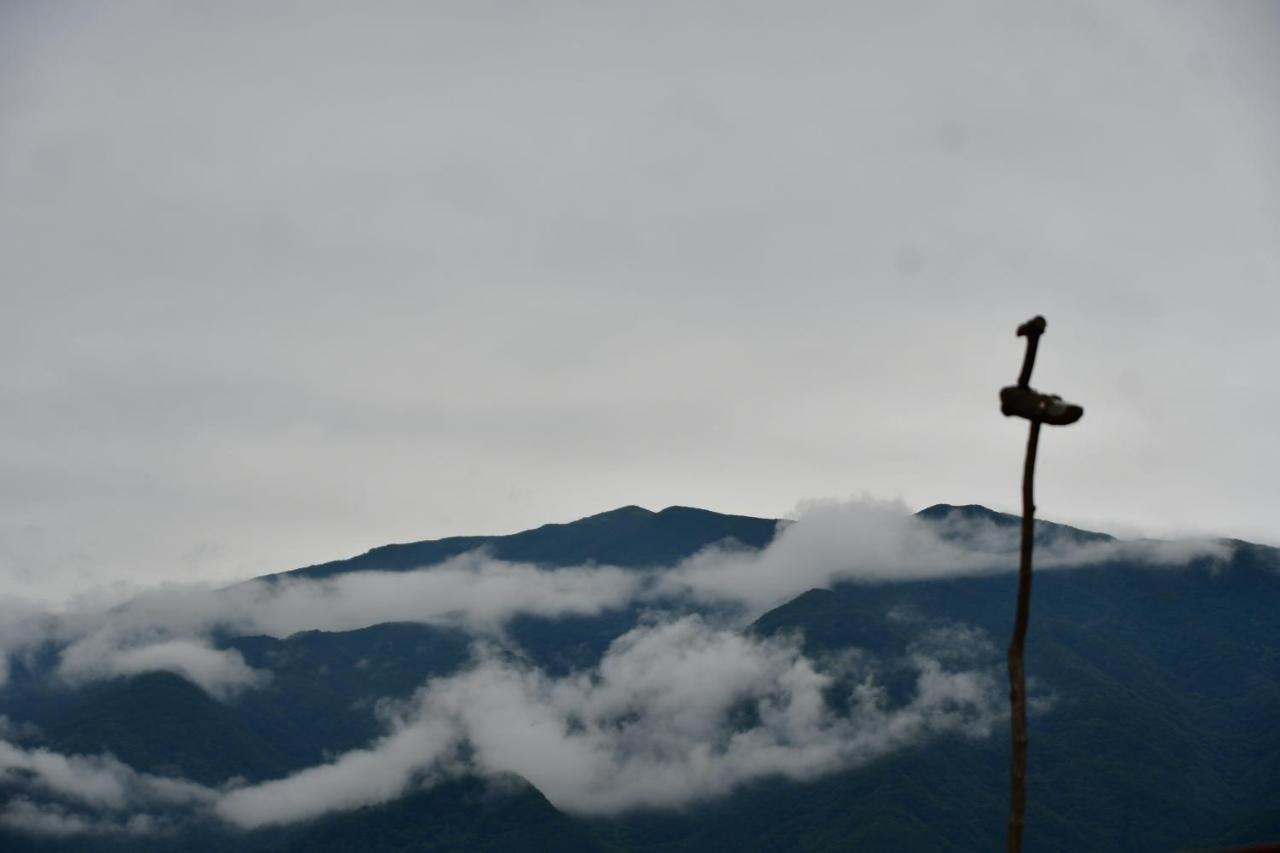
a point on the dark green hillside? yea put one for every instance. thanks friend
(1047, 532)
(319, 700)
(1162, 733)
(460, 816)
(163, 724)
(1162, 687)
(920, 799)
(324, 684)
(561, 645)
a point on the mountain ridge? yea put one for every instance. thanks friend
(1157, 729)
(626, 537)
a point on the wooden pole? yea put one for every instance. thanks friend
(1024, 401)
(1017, 676)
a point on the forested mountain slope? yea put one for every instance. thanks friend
(1155, 692)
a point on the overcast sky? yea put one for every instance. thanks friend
(280, 282)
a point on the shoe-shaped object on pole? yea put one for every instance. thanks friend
(1025, 402)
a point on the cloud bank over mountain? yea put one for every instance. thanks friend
(676, 712)
(220, 673)
(869, 540)
(77, 794)
(680, 708)
(168, 628)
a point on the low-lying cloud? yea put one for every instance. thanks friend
(834, 542)
(66, 795)
(677, 711)
(59, 821)
(361, 777)
(674, 713)
(96, 781)
(221, 673)
(169, 628)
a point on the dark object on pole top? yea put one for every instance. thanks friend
(1034, 406)
(1026, 402)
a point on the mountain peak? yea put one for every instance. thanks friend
(976, 513)
(677, 511)
(969, 512)
(628, 511)
(629, 536)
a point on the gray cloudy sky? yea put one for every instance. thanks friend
(283, 281)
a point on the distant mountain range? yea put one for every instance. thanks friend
(629, 536)
(1156, 697)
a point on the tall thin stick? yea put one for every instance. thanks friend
(1017, 677)
(1026, 402)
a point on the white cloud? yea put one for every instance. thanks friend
(66, 795)
(100, 782)
(674, 713)
(875, 540)
(358, 778)
(167, 628)
(472, 590)
(51, 819)
(221, 673)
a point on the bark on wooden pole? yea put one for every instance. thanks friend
(1017, 676)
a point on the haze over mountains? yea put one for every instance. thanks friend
(661, 681)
